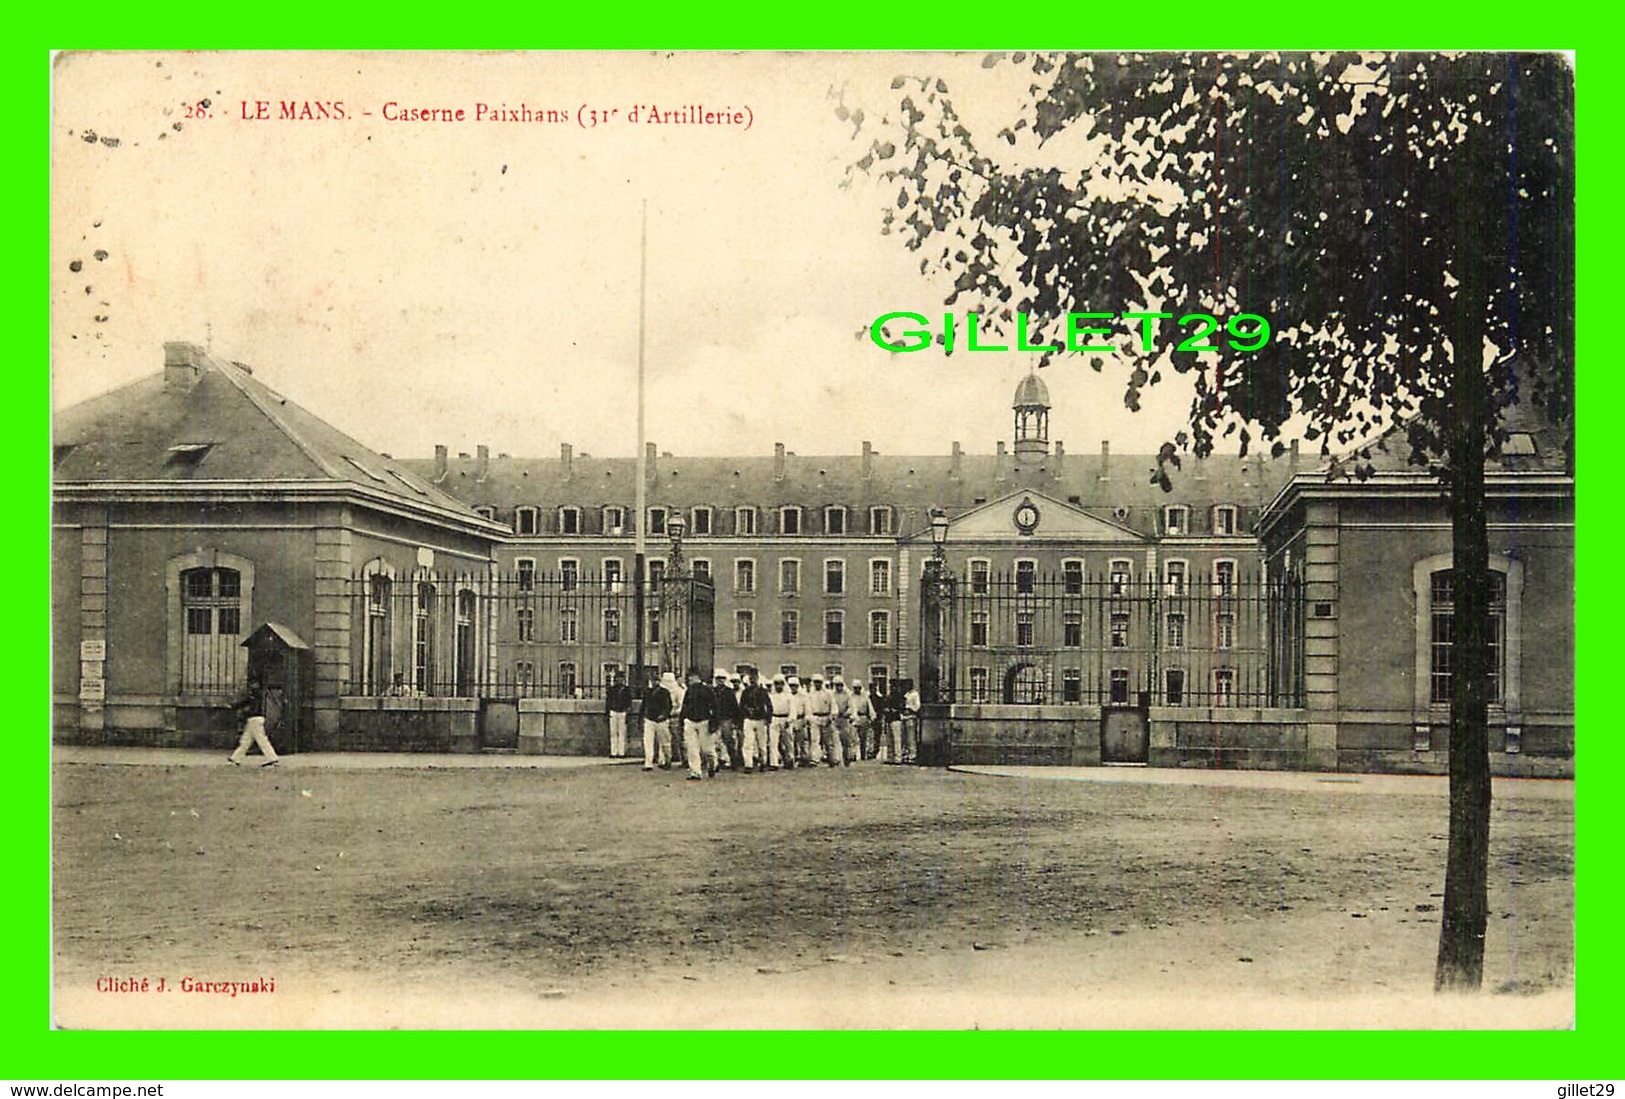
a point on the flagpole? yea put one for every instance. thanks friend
(640, 508)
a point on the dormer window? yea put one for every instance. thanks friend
(700, 524)
(614, 520)
(1176, 519)
(1224, 519)
(657, 520)
(524, 520)
(744, 521)
(182, 454)
(790, 520)
(486, 511)
(880, 520)
(835, 520)
(569, 520)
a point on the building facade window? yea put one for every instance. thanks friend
(834, 628)
(657, 572)
(614, 574)
(1072, 630)
(1224, 519)
(378, 674)
(524, 676)
(423, 637)
(790, 520)
(657, 521)
(879, 576)
(1224, 630)
(1173, 636)
(745, 522)
(569, 625)
(880, 520)
(569, 520)
(744, 576)
(744, 627)
(1175, 576)
(1119, 576)
(1119, 686)
(1072, 576)
(981, 570)
(1026, 575)
(700, 568)
(879, 628)
(978, 684)
(1119, 630)
(524, 521)
(879, 684)
(612, 625)
(569, 681)
(1224, 577)
(569, 574)
(524, 620)
(1072, 685)
(524, 571)
(614, 520)
(790, 628)
(1173, 686)
(835, 520)
(1176, 520)
(789, 576)
(1224, 686)
(652, 629)
(978, 629)
(467, 612)
(1024, 629)
(1442, 637)
(699, 523)
(830, 672)
(834, 576)
(211, 625)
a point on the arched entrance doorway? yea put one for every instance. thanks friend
(1025, 684)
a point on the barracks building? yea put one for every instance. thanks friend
(1259, 615)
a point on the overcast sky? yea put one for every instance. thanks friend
(468, 283)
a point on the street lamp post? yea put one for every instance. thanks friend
(673, 598)
(939, 578)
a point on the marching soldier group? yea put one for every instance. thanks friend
(737, 722)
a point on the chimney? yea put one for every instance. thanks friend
(649, 456)
(1105, 460)
(998, 467)
(1292, 459)
(957, 464)
(868, 459)
(439, 462)
(566, 453)
(778, 461)
(482, 462)
(1060, 456)
(183, 366)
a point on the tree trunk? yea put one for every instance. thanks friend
(1466, 887)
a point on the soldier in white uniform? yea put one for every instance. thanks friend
(862, 719)
(838, 735)
(781, 738)
(798, 724)
(819, 711)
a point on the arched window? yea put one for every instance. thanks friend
(467, 611)
(423, 624)
(376, 655)
(211, 611)
(1434, 588)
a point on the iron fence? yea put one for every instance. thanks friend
(1020, 637)
(520, 635)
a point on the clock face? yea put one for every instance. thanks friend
(1026, 516)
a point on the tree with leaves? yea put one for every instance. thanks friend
(1406, 221)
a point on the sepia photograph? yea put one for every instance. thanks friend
(812, 540)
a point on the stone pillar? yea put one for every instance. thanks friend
(93, 622)
(1320, 644)
(334, 568)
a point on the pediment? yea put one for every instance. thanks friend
(1028, 516)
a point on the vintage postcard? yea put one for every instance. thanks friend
(812, 540)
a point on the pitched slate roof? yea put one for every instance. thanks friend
(207, 420)
(1109, 486)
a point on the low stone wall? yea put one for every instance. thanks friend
(368, 724)
(1230, 737)
(1008, 735)
(567, 727)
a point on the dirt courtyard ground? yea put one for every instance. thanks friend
(602, 896)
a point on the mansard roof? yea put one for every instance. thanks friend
(911, 482)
